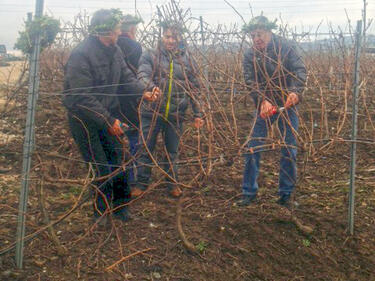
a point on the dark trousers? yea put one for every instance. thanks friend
(105, 154)
(150, 129)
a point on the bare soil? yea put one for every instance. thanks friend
(258, 242)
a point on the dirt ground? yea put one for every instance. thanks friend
(259, 242)
(11, 73)
(10, 76)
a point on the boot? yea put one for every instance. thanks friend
(247, 200)
(121, 211)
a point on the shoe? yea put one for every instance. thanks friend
(122, 214)
(136, 192)
(284, 201)
(247, 200)
(175, 192)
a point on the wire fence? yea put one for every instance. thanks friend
(325, 113)
(222, 83)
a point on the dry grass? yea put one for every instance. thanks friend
(12, 72)
(12, 80)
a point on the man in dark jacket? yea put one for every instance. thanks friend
(275, 76)
(170, 68)
(92, 75)
(127, 41)
(129, 101)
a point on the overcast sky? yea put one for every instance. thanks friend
(298, 13)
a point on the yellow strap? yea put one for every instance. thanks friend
(169, 88)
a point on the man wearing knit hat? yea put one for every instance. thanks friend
(129, 101)
(93, 72)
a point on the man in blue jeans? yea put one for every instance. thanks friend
(275, 76)
(129, 101)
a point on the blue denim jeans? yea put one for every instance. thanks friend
(287, 123)
(133, 136)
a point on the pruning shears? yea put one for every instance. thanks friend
(124, 127)
(276, 109)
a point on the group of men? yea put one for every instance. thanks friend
(113, 91)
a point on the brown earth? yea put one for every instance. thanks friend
(259, 242)
(11, 73)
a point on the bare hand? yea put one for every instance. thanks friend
(148, 96)
(152, 96)
(291, 100)
(198, 122)
(266, 109)
(156, 92)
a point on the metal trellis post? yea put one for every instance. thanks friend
(29, 139)
(354, 127)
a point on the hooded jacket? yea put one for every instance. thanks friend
(154, 71)
(273, 74)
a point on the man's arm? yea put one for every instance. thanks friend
(132, 51)
(146, 70)
(195, 94)
(136, 54)
(130, 81)
(249, 75)
(297, 70)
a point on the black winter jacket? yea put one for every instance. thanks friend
(275, 73)
(92, 75)
(129, 101)
(132, 51)
(154, 70)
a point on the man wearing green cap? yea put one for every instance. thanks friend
(127, 41)
(275, 76)
(93, 72)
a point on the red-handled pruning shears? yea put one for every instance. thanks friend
(276, 109)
